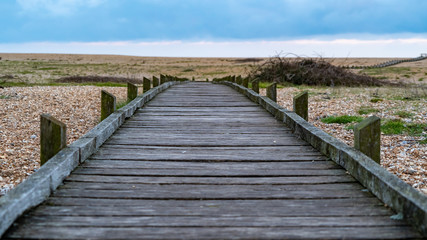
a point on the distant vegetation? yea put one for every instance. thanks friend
(98, 79)
(309, 71)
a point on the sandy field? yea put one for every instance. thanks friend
(78, 106)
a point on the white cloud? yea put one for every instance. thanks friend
(56, 7)
(399, 47)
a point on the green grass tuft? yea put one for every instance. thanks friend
(404, 114)
(375, 100)
(266, 84)
(366, 110)
(121, 104)
(341, 119)
(400, 127)
(393, 127)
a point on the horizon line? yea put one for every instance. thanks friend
(342, 47)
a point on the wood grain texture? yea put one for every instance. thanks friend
(201, 161)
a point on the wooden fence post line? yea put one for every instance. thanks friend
(367, 137)
(156, 81)
(271, 92)
(245, 82)
(132, 91)
(53, 137)
(146, 84)
(239, 80)
(108, 104)
(255, 85)
(162, 78)
(301, 105)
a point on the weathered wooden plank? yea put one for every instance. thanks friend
(225, 109)
(203, 221)
(209, 208)
(206, 104)
(278, 153)
(173, 172)
(220, 119)
(271, 207)
(214, 192)
(237, 166)
(204, 124)
(238, 130)
(217, 233)
(211, 180)
(202, 140)
(205, 157)
(136, 187)
(188, 112)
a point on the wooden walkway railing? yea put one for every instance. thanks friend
(201, 161)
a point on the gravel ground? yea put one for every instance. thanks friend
(20, 108)
(402, 155)
(78, 107)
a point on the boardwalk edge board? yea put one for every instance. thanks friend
(395, 193)
(42, 183)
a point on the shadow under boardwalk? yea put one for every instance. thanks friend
(202, 161)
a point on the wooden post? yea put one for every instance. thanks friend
(301, 105)
(367, 137)
(239, 80)
(146, 84)
(245, 82)
(162, 79)
(132, 91)
(156, 81)
(53, 137)
(255, 85)
(233, 79)
(108, 104)
(271, 92)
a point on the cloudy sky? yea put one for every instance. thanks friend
(241, 28)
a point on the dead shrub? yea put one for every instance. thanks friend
(309, 71)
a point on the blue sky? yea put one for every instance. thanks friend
(353, 27)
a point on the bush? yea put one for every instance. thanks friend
(309, 72)
(341, 119)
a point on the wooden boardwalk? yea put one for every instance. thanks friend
(202, 161)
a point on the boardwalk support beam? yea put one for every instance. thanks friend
(272, 92)
(156, 81)
(162, 79)
(108, 104)
(146, 84)
(255, 85)
(300, 103)
(132, 91)
(367, 137)
(239, 80)
(245, 82)
(53, 137)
